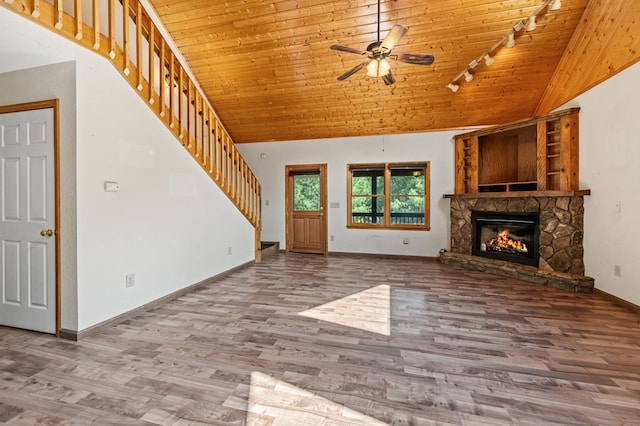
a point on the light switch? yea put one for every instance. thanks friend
(111, 186)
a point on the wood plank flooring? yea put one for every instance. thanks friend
(339, 340)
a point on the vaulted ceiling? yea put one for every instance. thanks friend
(268, 70)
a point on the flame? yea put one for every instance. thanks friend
(503, 240)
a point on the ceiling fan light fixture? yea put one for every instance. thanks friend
(531, 23)
(453, 87)
(556, 5)
(511, 41)
(377, 53)
(378, 67)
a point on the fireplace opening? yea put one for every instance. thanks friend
(506, 236)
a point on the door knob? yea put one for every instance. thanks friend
(46, 232)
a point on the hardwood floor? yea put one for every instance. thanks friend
(339, 340)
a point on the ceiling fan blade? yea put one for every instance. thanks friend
(414, 58)
(353, 71)
(388, 79)
(393, 37)
(346, 49)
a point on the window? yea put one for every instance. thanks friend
(389, 195)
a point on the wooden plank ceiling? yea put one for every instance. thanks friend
(267, 68)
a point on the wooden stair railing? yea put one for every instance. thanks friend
(135, 46)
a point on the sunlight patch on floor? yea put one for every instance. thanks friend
(275, 402)
(368, 310)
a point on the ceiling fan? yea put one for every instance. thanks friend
(379, 51)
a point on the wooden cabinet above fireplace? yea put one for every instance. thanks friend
(534, 156)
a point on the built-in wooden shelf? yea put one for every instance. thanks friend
(508, 186)
(539, 155)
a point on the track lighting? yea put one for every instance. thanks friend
(488, 60)
(508, 40)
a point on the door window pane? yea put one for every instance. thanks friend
(306, 192)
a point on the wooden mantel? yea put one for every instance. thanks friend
(524, 194)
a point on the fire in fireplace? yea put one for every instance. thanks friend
(504, 243)
(506, 236)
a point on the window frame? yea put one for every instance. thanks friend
(387, 196)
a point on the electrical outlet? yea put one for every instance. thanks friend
(617, 270)
(130, 280)
(111, 186)
(331, 238)
(405, 241)
(229, 250)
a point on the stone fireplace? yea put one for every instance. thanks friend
(553, 257)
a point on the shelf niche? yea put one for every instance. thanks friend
(540, 154)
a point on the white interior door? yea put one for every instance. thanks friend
(27, 202)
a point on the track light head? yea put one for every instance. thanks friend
(511, 41)
(556, 5)
(468, 76)
(453, 87)
(488, 60)
(531, 23)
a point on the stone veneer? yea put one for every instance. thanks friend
(561, 227)
(560, 245)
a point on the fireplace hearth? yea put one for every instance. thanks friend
(506, 236)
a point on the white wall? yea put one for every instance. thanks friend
(56, 81)
(19, 49)
(169, 224)
(337, 153)
(609, 166)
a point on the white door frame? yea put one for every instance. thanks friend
(46, 104)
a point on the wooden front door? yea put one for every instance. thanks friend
(306, 199)
(27, 222)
